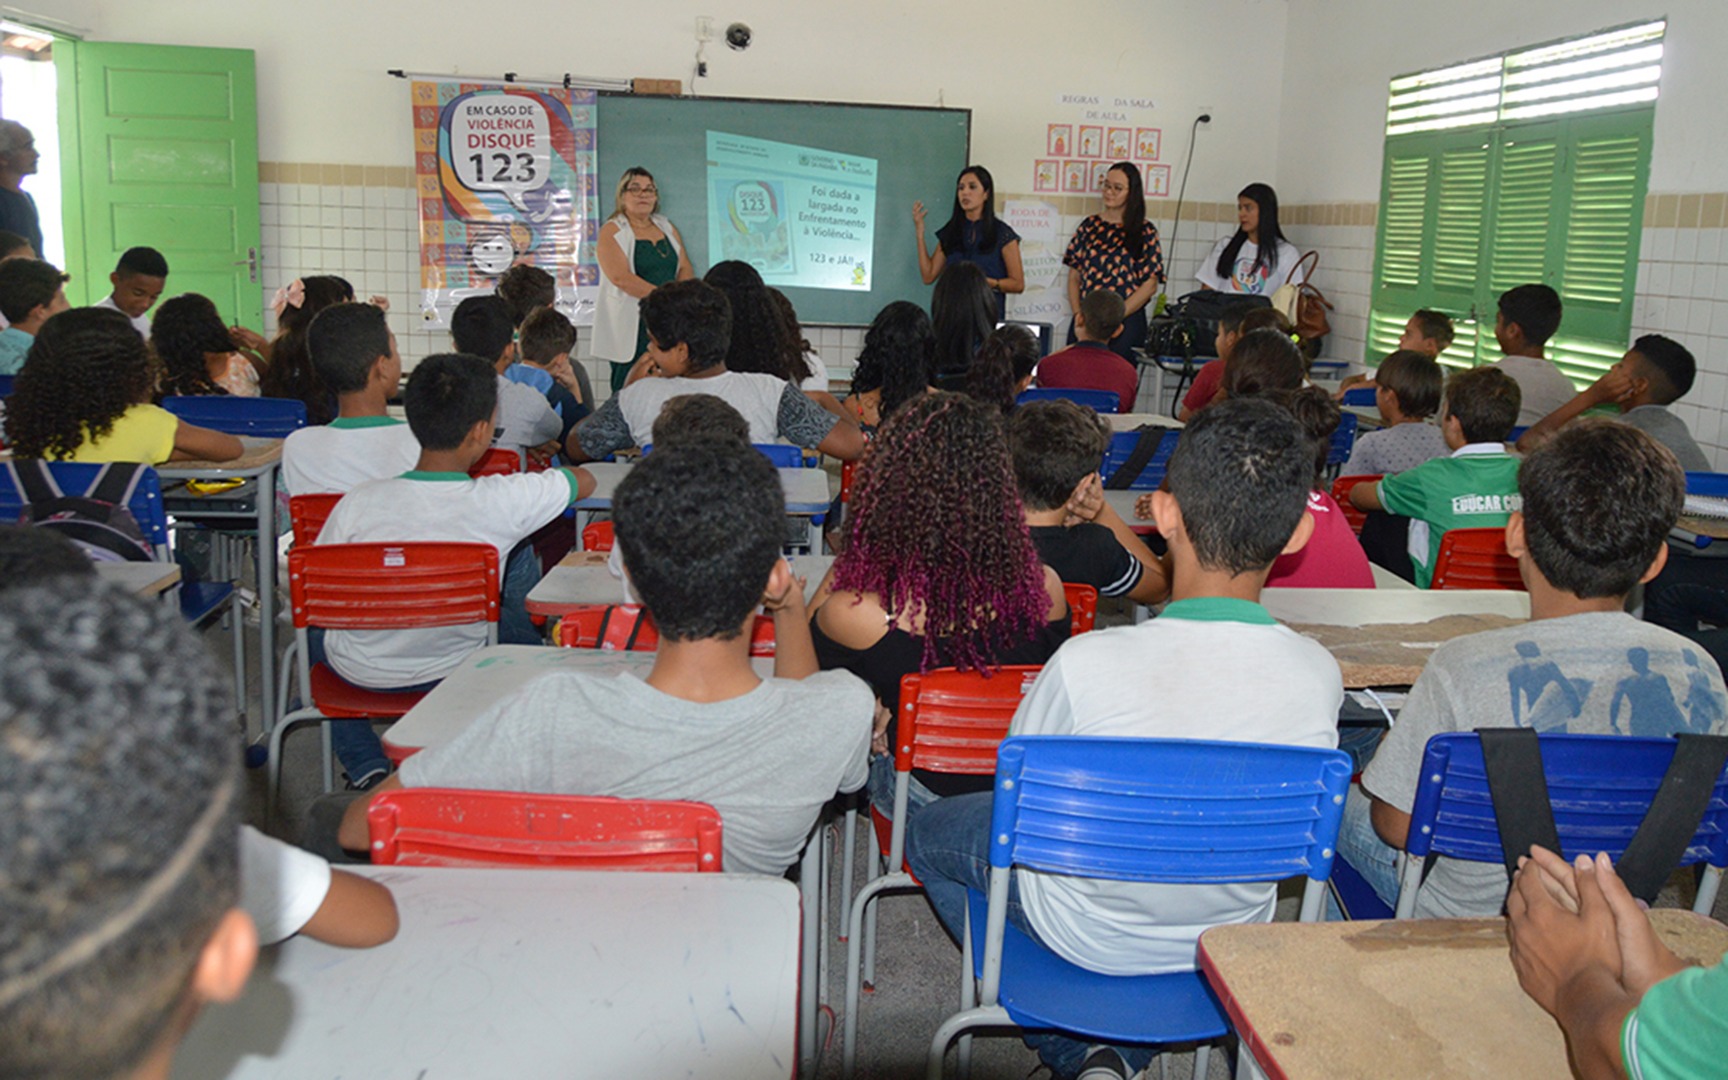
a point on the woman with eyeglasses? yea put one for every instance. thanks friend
(639, 250)
(1118, 249)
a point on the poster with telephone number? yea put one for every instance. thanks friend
(504, 175)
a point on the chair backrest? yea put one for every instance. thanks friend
(1517, 433)
(1122, 444)
(75, 478)
(445, 827)
(597, 536)
(783, 455)
(1600, 787)
(591, 627)
(1100, 401)
(1341, 495)
(308, 513)
(1713, 484)
(1359, 395)
(1343, 440)
(1475, 559)
(260, 417)
(390, 586)
(848, 476)
(952, 721)
(6, 385)
(1082, 607)
(497, 462)
(1167, 810)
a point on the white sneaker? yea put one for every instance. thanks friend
(1103, 1063)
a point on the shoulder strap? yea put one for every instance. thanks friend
(116, 482)
(1668, 827)
(1512, 759)
(1306, 274)
(34, 480)
(1146, 446)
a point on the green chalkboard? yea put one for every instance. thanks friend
(919, 152)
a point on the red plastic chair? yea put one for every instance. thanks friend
(1341, 495)
(308, 513)
(446, 827)
(377, 587)
(611, 626)
(1082, 607)
(1475, 559)
(597, 536)
(496, 462)
(950, 722)
(848, 474)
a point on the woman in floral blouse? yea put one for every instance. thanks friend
(1118, 250)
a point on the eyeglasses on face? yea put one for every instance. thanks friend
(641, 189)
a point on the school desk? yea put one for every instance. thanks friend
(528, 974)
(1435, 998)
(577, 582)
(1367, 660)
(806, 489)
(140, 578)
(1131, 420)
(1123, 503)
(258, 462)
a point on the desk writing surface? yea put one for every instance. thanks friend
(140, 578)
(581, 578)
(1130, 421)
(257, 454)
(1431, 998)
(497, 671)
(527, 974)
(1384, 637)
(806, 489)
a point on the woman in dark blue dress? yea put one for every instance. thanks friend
(974, 235)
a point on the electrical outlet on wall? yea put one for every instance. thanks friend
(704, 28)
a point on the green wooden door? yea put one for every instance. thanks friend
(161, 150)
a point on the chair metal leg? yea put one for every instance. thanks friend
(848, 853)
(1409, 881)
(1202, 1060)
(1707, 889)
(238, 622)
(273, 767)
(968, 993)
(982, 1016)
(288, 656)
(877, 868)
(327, 756)
(809, 975)
(861, 905)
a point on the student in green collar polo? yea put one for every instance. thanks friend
(354, 353)
(1214, 665)
(452, 403)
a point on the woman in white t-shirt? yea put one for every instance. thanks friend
(1243, 262)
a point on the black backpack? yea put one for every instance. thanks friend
(97, 520)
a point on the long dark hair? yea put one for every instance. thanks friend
(952, 236)
(291, 374)
(1267, 255)
(1134, 211)
(1009, 355)
(898, 356)
(963, 312)
(184, 330)
(759, 333)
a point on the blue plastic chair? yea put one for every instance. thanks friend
(1122, 444)
(1174, 811)
(199, 600)
(1600, 787)
(1343, 441)
(1713, 485)
(1360, 395)
(6, 385)
(259, 417)
(1100, 401)
(782, 455)
(1517, 433)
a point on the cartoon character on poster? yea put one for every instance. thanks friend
(1091, 141)
(1076, 176)
(1047, 176)
(757, 233)
(1119, 144)
(1058, 138)
(1099, 170)
(1157, 181)
(1147, 143)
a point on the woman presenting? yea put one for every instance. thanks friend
(1118, 250)
(1241, 262)
(639, 250)
(974, 235)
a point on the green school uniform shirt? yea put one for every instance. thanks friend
(1680, 1029)
(1477, 487)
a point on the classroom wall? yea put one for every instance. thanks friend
(1331, 141)
(333, 128)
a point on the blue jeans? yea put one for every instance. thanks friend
(521, 574)
(948, 848)
(881, 789)
(357, 746)
(1361, 847)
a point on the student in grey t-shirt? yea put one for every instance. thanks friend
(1655, 372)
(700, 525)
(1599, 499)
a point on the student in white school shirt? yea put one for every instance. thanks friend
(452, 407)
(354, 352)
(138, 279)
(1214, 665)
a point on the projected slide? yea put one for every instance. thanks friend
(802, 217)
